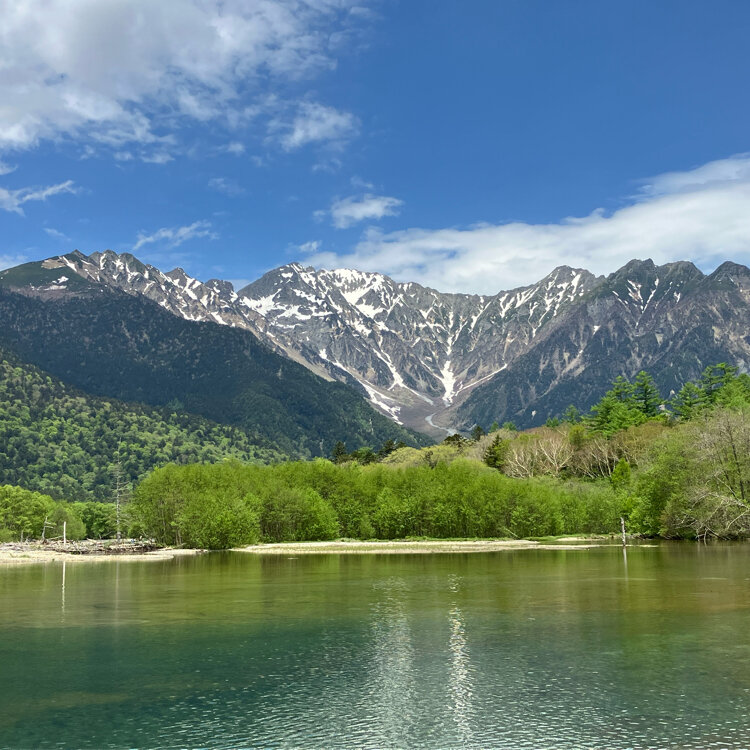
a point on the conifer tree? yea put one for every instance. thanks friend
(714, 378)
(690, 399)
(496, 453)
(646, 394)
(339, 453)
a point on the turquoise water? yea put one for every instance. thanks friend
(525, 649)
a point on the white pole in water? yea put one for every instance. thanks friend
(622, 528)
(65, 532)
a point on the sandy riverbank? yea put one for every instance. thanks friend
(35, 555)
(416, 547)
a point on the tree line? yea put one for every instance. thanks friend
(677, 469)
(231, 504)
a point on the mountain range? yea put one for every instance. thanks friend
(109, 344)
(429, 361)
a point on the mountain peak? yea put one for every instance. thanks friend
(220, 286)
(634, 269)
(728, 269)
(177, 273)
(565, 270)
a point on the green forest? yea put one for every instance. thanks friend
(676, 469)
(66, 444)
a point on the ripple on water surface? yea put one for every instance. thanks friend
(522, 649)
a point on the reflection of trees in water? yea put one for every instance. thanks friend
(62, 591)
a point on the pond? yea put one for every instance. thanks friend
(511, 649)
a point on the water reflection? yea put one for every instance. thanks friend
(392, 686)
(62, 606)
(460, 681)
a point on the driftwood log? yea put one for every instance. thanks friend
(88, 546)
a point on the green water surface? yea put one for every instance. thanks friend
(525, 649)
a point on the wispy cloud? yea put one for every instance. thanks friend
(172, 237)
(345, 212)
(226, 186)
(13, 200)
(358, 182)
(160, 66)
(235, 147)
(700, 214)
(722, 171)
(157, 157)
(56, 234)
(309, 247)
(314, 123)
(6, 168)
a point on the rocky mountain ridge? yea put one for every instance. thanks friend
(438, 362)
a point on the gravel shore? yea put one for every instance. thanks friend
(414, 547)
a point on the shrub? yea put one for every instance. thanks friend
(295, 515)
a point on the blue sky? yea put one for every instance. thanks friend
(470, 146)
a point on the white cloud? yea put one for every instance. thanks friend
(157, 65)
(157, 157)
(6, 168)
(172, 237)
(701, 215)
(226, 186)
(358, 182)
(235, 147)
(736, 168)
(315, 123)
(345, 212)
(13, 200)
(310, 247)
(56, 234)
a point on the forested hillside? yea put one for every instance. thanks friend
(57, 440)
(108, 343)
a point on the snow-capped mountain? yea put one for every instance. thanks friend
(438, 362)
(415, 351)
